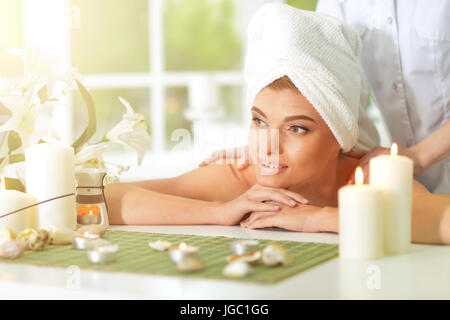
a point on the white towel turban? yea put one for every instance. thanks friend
(319, 53)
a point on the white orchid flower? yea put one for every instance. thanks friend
(90, 152)
(29, 118)
(131, 131)
(110, 179)
(41, 68)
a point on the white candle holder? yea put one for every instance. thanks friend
(182, 251)
(240, 247)
(90, 193)
(80, 242)
(102, 254)
(86, 220)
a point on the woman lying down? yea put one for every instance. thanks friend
(304, 84)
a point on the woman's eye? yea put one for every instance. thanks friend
(258, 122)
(298, 129)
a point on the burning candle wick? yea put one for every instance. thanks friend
(359, 176)
(394, 149)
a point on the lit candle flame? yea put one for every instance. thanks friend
(359, 176)
(394, 149)
(91, 213)
(183, 246)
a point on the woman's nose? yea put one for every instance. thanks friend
(271, 142)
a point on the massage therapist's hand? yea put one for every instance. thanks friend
(365, 156)
(302, 218)
(257, 199)
(238, 155)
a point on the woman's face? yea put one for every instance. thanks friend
(306, 146)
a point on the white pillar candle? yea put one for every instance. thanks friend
(394, 174)
(50, 173)
(12, 200)
(360, 221)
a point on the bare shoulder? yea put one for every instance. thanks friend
(215, 182)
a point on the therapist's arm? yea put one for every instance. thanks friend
(426, 153)
(431, 150)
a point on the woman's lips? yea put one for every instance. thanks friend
(266, 168)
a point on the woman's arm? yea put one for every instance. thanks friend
(128, 204)
(210, 195)
(431, 218)
(191, 198)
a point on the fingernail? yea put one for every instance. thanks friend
(292, 203)
(276, 207)
(305, 201)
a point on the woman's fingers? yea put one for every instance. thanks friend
(269, 195)
(296, 196)
(244, 158)
(217, 155)
(357, 154)
(242, 162)
(238, 155)
(255, 216)
(283, 196)
(261, 206)
(263, 220)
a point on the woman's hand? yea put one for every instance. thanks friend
(239, 156)
(302, 218)
(365, 156)
(257, 199)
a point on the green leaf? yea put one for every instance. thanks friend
(14, 184)
(15, 158)
(14, 141)
(92, 124)
(42, 94)
(3, 137)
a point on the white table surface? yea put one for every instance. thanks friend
(424, 273)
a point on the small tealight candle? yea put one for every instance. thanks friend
(89, 210)
(240, 247)
(81, 241)
(102, 254)
(92, 217)
(182, 251)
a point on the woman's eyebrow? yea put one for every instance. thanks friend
(299, 117)
(259, 111)
(290, 118)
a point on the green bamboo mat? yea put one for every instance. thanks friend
(135, 256)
